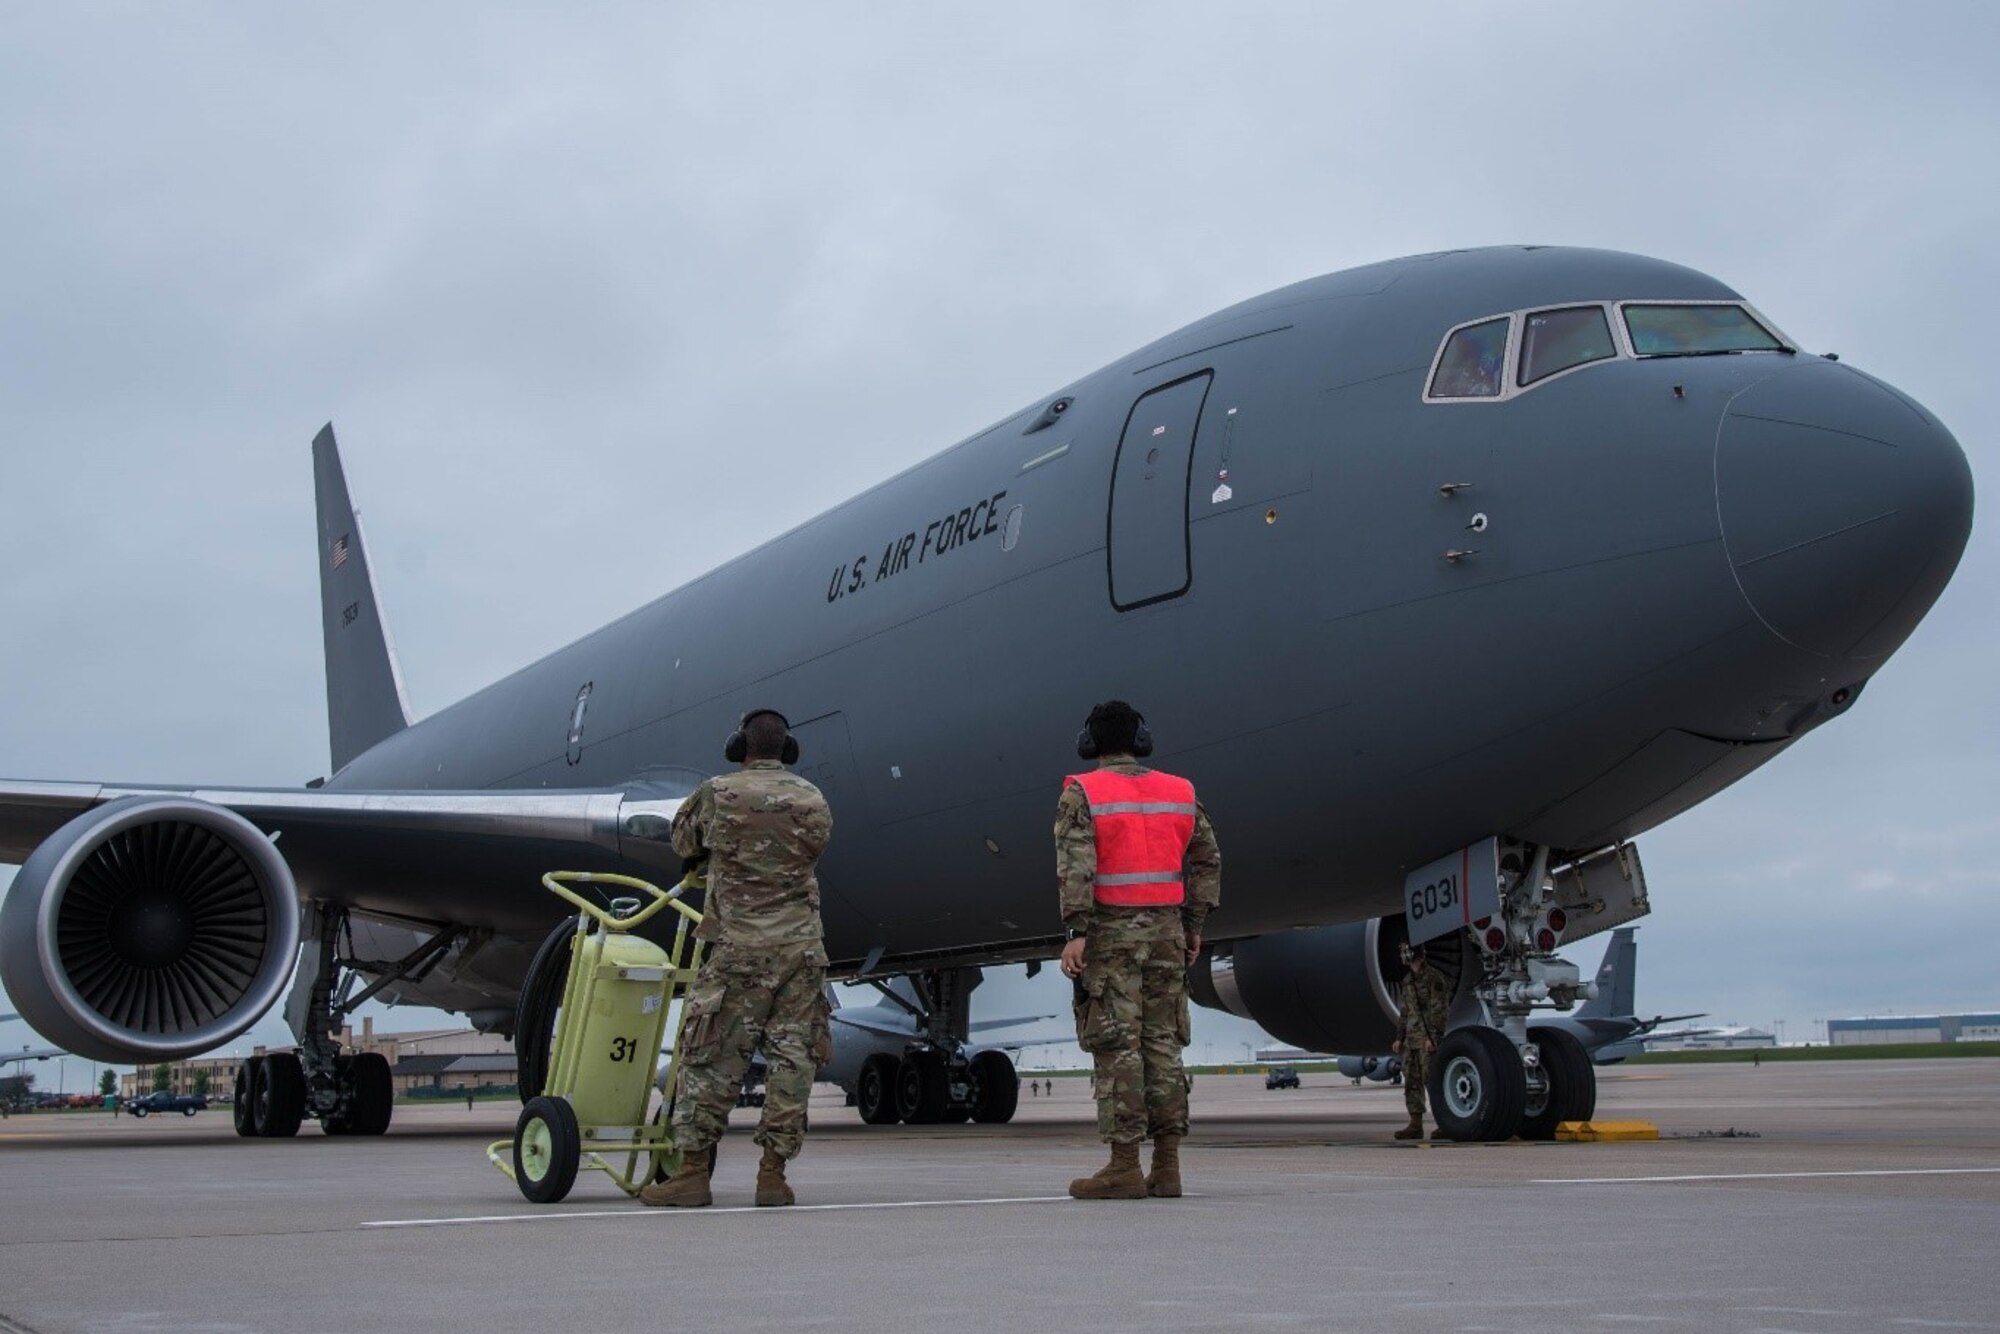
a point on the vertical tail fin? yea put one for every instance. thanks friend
(364, 688)
(1617, 979)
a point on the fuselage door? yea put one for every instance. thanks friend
(1148, 534)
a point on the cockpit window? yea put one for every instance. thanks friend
(1473, 362)
(1555, 340)
(1692, 331)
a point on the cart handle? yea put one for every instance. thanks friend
(554, 880)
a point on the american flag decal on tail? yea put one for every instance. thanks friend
(340, 551)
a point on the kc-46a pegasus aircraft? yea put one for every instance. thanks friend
(1442, 578)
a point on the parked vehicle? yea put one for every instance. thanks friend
(1281, 1077)
(187, 1104)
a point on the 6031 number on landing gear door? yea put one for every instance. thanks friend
(1434, 896)
(1452, 891)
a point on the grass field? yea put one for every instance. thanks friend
(1884, 1051)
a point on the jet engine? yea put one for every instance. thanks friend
(149, 929)
(1325, 989)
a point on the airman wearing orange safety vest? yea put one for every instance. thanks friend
(1139, 872)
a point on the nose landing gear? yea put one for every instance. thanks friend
(1495, 1075)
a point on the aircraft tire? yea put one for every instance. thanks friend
(997, 1088)
(548, 1148)
(875, 1090)
(281, 1097)
(1572, 1093)
(1477, 1088)
(242, 1110)
(535, 1011)
(921, 1092)
(374, 1101)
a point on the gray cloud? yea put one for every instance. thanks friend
(598, 297)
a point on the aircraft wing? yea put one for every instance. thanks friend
(27, 1054)
(1028, 1040)
(1646, 1026)
(988, 1025)
(469, 858)
(871, 1019)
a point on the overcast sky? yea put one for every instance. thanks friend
(598, 296)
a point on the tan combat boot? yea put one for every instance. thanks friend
(1414, 1130)
(685, 1189)
(1164, 1181)
(1119, 1179)
(771, 1187)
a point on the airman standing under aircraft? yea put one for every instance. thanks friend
(763, 982)
(1423, 1001)
(1139, 873)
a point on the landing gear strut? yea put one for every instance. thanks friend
(1499, 1076)
(349, 1093)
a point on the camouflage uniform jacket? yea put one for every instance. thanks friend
(762, 830)
(1076, 872)
(1425, 1003)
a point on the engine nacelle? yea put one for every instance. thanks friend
(1325, 989)
(149, 929)
(1381, 1069)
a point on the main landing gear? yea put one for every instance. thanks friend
(1500, 1075)
(936, 1079)
(348, 1093)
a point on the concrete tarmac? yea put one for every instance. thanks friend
(1851, 1196)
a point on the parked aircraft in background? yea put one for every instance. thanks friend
(1443, 578)
(871, 1063)
(27, 1054)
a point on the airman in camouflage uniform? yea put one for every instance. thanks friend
(1130, 969)
(1423, 1002)
(763, 981)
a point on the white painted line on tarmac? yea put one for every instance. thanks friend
(1768, 1176)
(639, 1211)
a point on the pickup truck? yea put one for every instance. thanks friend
(187, 1104)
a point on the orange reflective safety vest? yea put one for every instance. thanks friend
(1143, 824)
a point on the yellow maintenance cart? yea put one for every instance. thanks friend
(619, 990)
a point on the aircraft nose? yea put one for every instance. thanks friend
(1844, 507)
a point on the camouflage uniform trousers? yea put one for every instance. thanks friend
(744, 999)
(1132, 1017)
(1416, 1070)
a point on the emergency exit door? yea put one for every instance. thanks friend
(1148, 536)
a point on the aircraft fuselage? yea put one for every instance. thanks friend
(1667, 568)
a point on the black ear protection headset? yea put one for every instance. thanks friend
(1142, 740)
(737, 748)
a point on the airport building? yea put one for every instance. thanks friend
(1871, 1030)
(1734, 1038)
(429, 1063)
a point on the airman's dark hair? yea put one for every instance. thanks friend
(764, 736)
(1114, 726)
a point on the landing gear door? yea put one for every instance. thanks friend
(1601, 892)
(1148, 534)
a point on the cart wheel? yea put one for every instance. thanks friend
(548, 1148)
